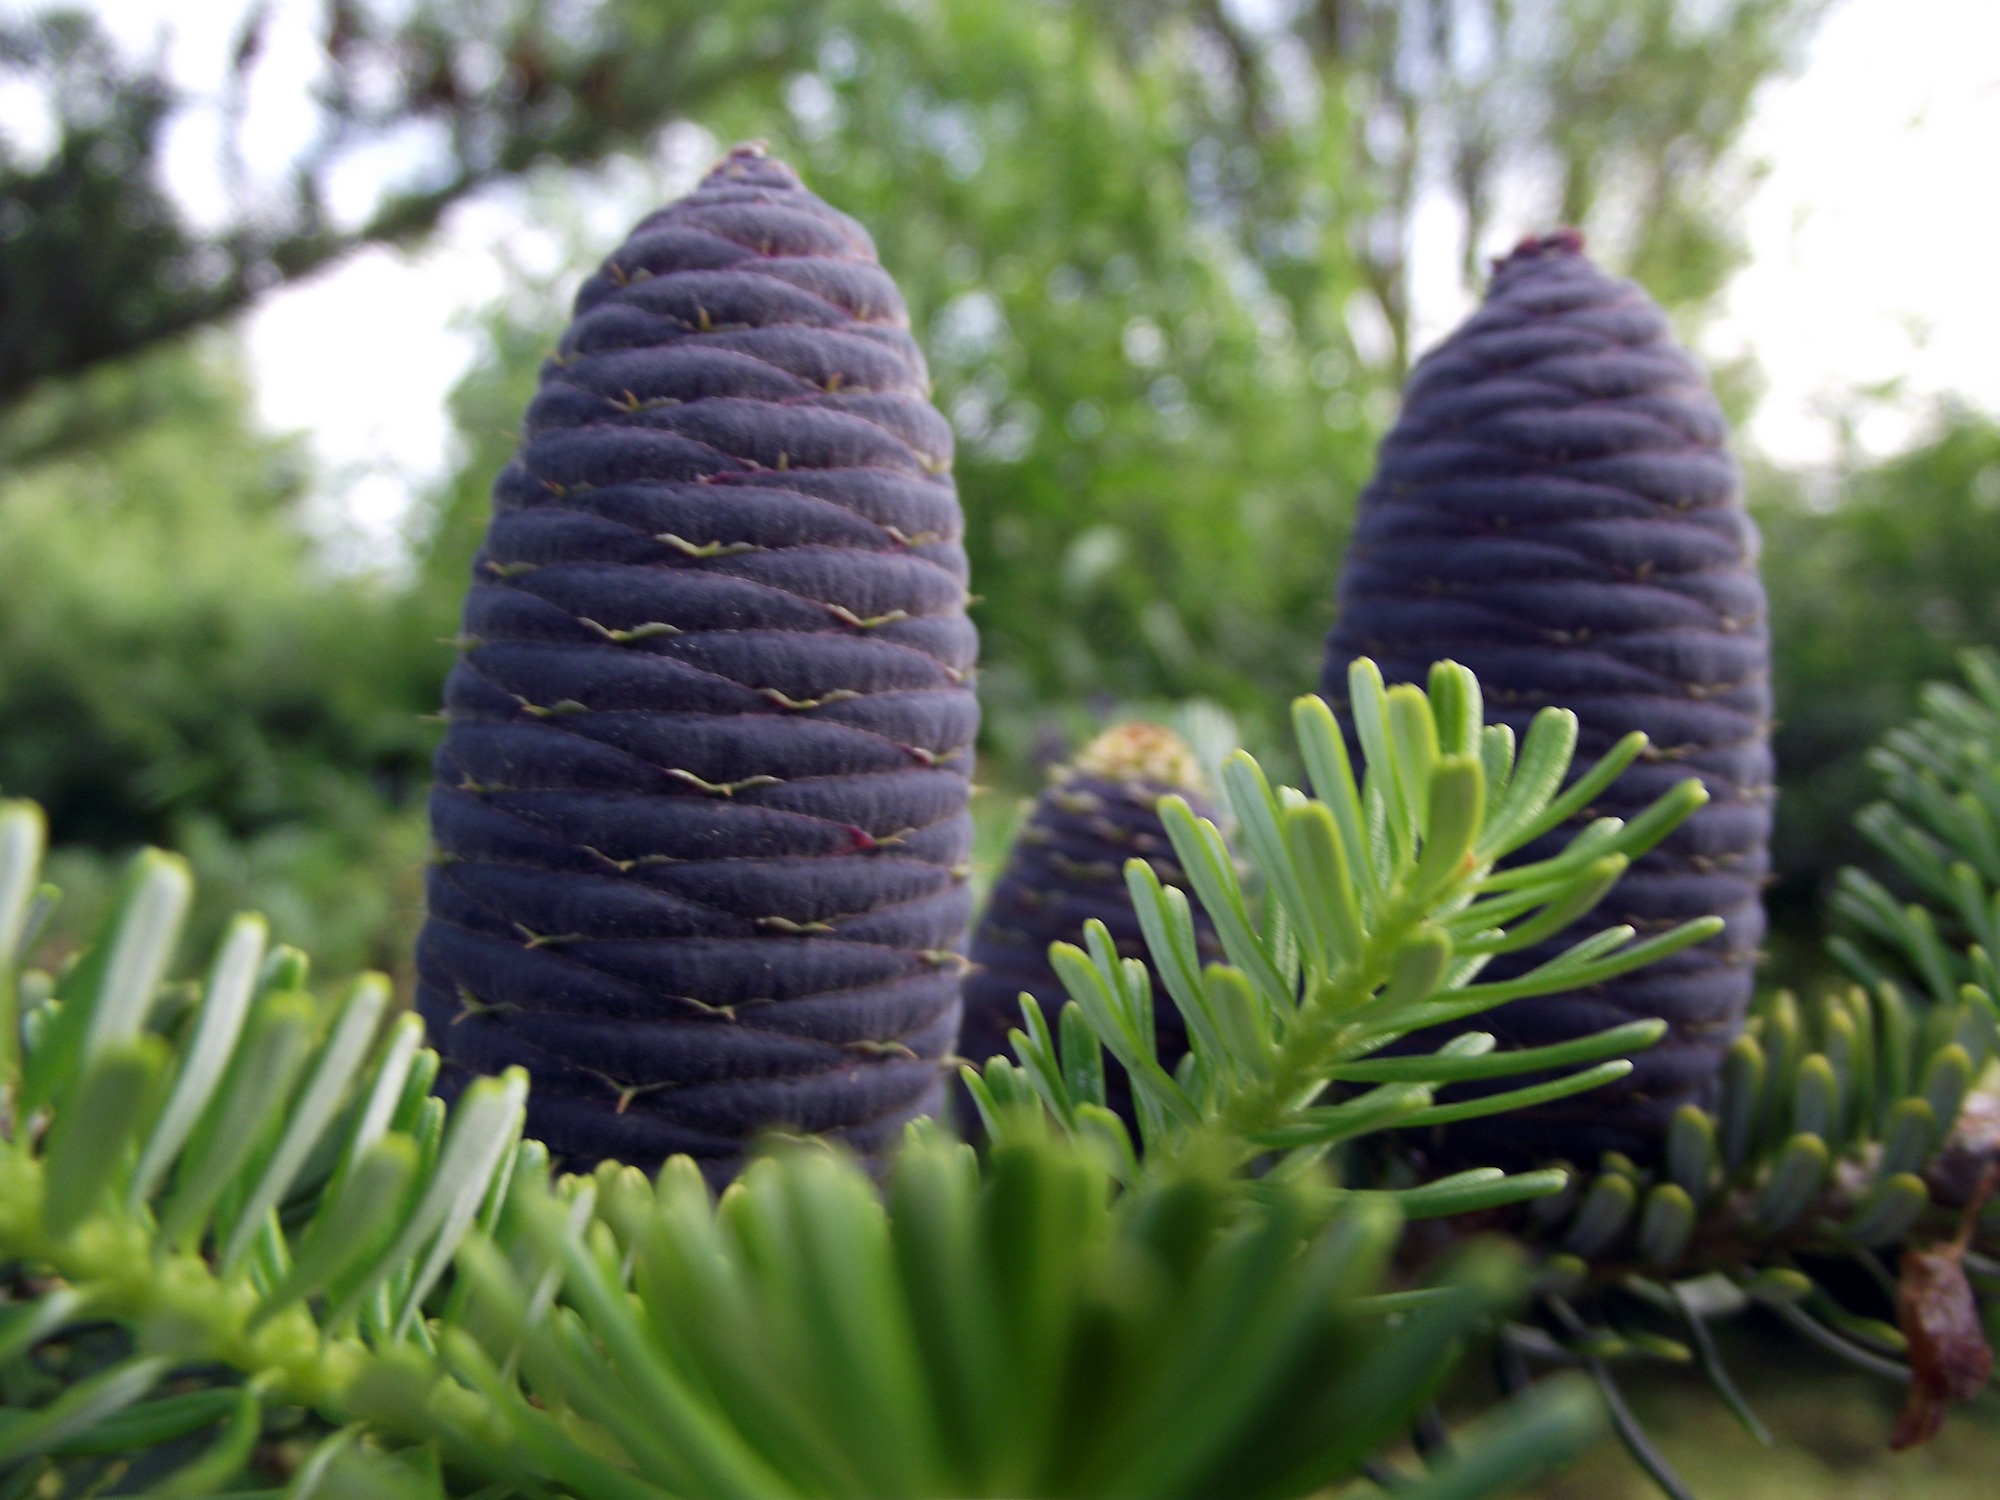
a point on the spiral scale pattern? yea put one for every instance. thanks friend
(700, 810)
(1067, 866)
(1557, 509)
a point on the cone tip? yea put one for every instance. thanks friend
(1533, 247)
(751, 162)
(1136, 751)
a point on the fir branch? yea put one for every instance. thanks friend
(1382, 902)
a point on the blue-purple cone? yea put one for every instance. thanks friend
(1067, 866)
(1556, 508)
(700, 810)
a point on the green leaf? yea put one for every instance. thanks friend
(340, 1056)
(1093, 991)
(1668, 811)
(143, 942)
(1666, 1223)
(662, 1421)
(1794, 1182)
(942, 1279)
(416, 1097)
(1416, 971)
(1323, 748)
(1496, 758)
(1035, 1052)
(352, 1223)
(1633, 1435)
(1693, 1155)
(1578, 896)
(1803, 1323)
(1470, 1191)
(1242, 1019)
(25, 1324)
(1458, 707)
(1909, 1137)
(482, 1131)
(1816, 1098)
(1205, 860)
(224, 1459)
(1947, 1080)
(1775, 1286)
(1742, 1101)
(1591, 785)
(1708, 1357)
(1388, 1385)
(1579, 967)
(381, 1105)
(1414, 747)
(1330, 908)
(1381, 1108)
(1538, 771)
(1521, 1098)
(1099, 1126)
(225, 1002)
(108, 993)
(1616, 1041)
(1260, 1309)
(1167, 924)
(80, 1408)
(1368, 703)
(1257, 819)
(1607, 1208)
(92, 1139)
(1456, 808)
(152, 1423)
(1889, 1212)
(240, 1116)
(990, 1101)
(1082, 1058)
(23, 838)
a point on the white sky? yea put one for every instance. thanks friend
(1873, 240)
(1876, 237)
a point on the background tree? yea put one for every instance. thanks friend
(179, 667)
(99, 261)
(1887, 573)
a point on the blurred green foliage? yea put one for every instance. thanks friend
(1878, 575)
(178, 666)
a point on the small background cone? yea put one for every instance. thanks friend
(1067, 865)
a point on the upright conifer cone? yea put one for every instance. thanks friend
(1557, 509)
(700, 810)
(1067, 866)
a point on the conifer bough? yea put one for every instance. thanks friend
(1557, 509)
(1067, 866)
(701, 806)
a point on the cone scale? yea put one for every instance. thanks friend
(1557, 509)
(700, 809)
(1068, 866)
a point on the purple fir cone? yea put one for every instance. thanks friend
(1067, 866)
(700, 810)
(1556, 508)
